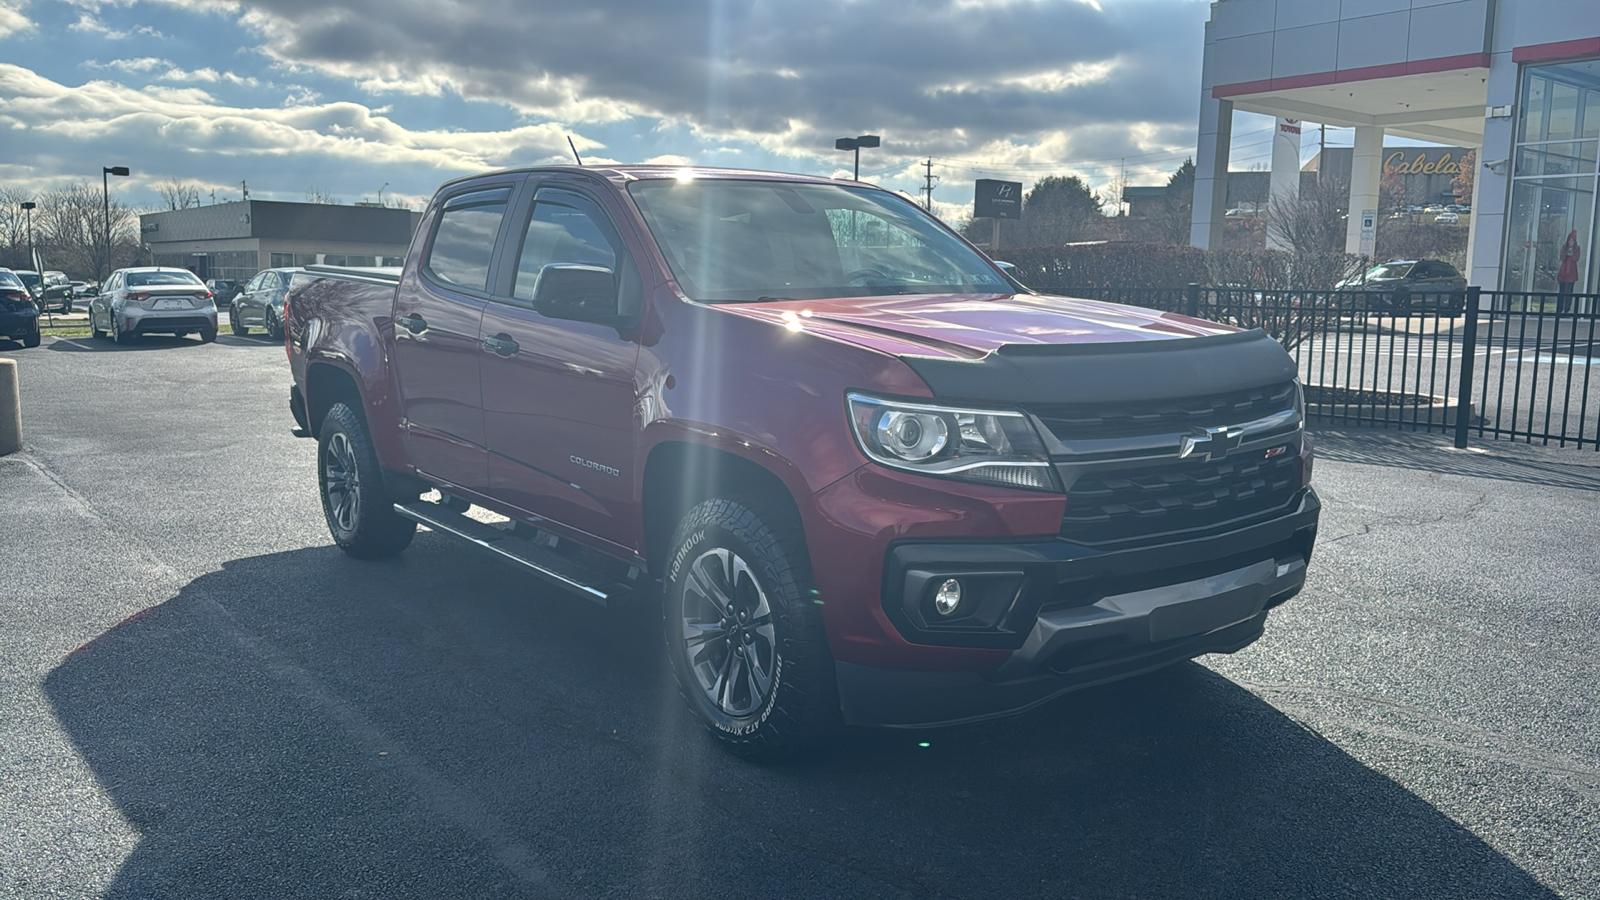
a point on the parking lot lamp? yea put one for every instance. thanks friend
(28, 206)
(105, 189)
(856, 143)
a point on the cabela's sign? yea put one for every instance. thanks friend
(1421, 162)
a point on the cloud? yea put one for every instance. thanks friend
(182, 131)
(91, 24)
(921, 74)
(12, 21)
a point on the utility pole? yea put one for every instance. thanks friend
(1322, 150)
(1122, 185)
(928, 189)
(245, 188)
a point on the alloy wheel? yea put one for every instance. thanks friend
(729, 638)
(342, 481)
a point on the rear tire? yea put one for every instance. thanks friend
(94, 329)
(274, 327)
(207, 335)
(355, 502)
(239, 328)
(744, 631)
(32, 340)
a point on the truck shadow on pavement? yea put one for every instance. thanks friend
(306, 725)
(1501, 460)
(146, 342)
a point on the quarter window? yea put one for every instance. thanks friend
(463, 243)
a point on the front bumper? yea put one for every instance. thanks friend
(1072, 616)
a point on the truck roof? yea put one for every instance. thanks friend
(639, 172)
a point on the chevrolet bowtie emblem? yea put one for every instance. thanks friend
(1210, 444)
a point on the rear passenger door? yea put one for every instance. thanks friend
(436, 352)
(558, 393)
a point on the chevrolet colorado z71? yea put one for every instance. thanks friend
(870, 477)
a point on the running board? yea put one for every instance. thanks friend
(504, 545)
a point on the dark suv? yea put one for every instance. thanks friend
(52, 289)
(1404, 285)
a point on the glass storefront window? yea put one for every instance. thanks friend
(1543, 212)
(1555, 176)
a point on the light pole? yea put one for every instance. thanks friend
(28, 206)
(856, 143)
(105, 188)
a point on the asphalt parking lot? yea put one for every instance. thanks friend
(201, 697)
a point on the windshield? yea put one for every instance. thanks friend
(740, 241)
(1389, 271)
(29, 278)
(147, 279)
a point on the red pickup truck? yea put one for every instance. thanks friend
(869, 477)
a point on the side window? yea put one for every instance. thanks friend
(463, 241)
(255, 283)
(564, 228)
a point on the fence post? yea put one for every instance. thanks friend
(1469, 349)
(1191, 298)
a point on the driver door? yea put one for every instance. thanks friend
(558, 393)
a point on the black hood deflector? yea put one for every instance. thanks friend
(1110, 372)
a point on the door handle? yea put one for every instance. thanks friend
(501, 345)
(413, 324)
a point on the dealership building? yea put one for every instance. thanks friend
(240, 238)
(1516, 80)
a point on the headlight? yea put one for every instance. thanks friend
(985, 446)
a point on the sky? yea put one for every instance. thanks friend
(362, 100)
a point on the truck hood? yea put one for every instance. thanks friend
(1031, 349)
(971, 326)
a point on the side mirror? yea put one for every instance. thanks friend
(572, 291)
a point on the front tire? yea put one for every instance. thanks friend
(744, 631)
(358, 508)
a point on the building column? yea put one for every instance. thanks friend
(1211, 172)
(1366, 174)
(1491, 185)
(1284, 187)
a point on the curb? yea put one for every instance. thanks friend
(10, 408)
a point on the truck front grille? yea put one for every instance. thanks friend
(1092, 421)
(1125, 504)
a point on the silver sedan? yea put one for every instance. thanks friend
(153, 300)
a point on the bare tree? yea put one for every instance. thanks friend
(70, 228)
(14, 229)
(315, 194)
(1313, 230)
(178, 194)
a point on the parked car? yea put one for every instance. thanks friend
(49, 290)
(875, 482)
(1406, 284)
(153, 299)
(1447, 217)
(19, 315)
(84, 290)
(223, 290)
(260, 303)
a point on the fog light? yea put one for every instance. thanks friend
(948, 598)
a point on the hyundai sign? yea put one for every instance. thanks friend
(997, 199)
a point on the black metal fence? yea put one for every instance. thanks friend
(1518, 367)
